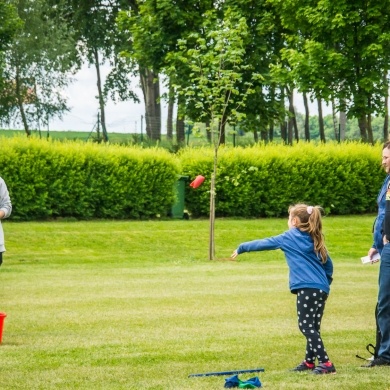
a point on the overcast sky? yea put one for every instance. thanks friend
(124, 117)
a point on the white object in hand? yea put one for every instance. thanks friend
(366, 259)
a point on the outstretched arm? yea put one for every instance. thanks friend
(264, 244)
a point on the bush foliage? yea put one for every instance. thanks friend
(86, 180)
(263, 180)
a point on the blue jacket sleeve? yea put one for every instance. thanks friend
(328, 266)
(265, 244)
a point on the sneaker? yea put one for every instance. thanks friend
(377, 362)
(324, 369)
(304, 366)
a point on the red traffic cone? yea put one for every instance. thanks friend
(2, 318)
(197, 181)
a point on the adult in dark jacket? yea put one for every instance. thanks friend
(383, 247)
(377, 245)
(310, 276)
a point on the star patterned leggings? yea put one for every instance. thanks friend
(310, 309)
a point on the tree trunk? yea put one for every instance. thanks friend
(386, 113)
(212, 206)
(342, 125)
(289, 123)
(20, 100)
(264, 135)
(271, 131)
(289, 131)
(208, 132)
(335, 124)
(272, 124)
(215, 143)
(283, 131)
(100, 95)
(171, 103)
(370, 136)
(307, 118)
(150, 86)
(255, 136)
(283, 125)
(386, 120)
(222, 136)
(292, 122)
(362, 121)
(321, 121)
(180, 131)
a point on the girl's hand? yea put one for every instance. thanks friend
(234, 254)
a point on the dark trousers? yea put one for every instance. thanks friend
(384, 303)
(310, 309)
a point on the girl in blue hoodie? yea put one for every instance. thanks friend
(310, 276)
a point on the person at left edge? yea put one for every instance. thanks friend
(5, 212)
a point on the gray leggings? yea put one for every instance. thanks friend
(310, 309)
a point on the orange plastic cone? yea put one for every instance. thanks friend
(2, 318)
(197, 181)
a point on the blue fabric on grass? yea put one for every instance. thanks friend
(234, 381)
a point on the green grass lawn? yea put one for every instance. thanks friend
(137, 305)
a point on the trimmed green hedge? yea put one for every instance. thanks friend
(85, 180)
(263, 180)
(50, 179)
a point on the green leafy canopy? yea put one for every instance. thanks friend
(216, 63)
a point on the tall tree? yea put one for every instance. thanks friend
(154, 28)
(99, 42)
(216, 59)
(10, 23)
(263, 44)
(37, 66)
(340, 50)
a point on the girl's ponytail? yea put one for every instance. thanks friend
(310, 220)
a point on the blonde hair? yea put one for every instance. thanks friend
(309, 220)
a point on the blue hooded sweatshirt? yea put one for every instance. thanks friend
(305, 268)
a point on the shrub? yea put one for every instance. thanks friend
(85, 180)
(263, 180)
(50, 179)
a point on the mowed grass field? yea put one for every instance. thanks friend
(138, 305)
